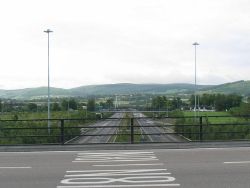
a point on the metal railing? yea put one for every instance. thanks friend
(125, 130)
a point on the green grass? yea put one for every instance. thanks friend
(191, 113)
(43, 115)
(125, 128)
(13, 132)
(212, 130)
(218, 119)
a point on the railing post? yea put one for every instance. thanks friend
(201, 131)
(131, 130)
(62, 131)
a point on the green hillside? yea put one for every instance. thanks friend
(126, 88)
(31, 93)
(240, 87)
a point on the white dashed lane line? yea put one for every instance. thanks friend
(15, 167)
(237, 162)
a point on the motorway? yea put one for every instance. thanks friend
(148, 126)
(187, 168)
(105, 129)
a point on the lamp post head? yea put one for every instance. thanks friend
(196, 43)
(48, 31)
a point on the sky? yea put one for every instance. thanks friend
(123, 41)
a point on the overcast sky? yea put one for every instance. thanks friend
(123, 41)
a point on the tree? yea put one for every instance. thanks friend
(65, 104)
(110, 103)
(243, 110)
(176, 102)
(1, 106)
(32, 107)
(91, 105)
(159, 102)
(73, 104)
(56, 107)
(219, 101)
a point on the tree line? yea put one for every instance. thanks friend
(218, 102)
(164, 103)
(60, 105)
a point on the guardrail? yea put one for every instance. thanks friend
(125, 130)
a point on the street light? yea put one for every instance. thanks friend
(195, 79)
(48, 31)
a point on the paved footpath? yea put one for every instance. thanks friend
(189, 168)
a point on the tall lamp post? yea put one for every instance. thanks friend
(195, 80)
(48, 31)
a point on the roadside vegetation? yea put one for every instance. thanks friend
(30, 126)
(215, 126)
(224, 117)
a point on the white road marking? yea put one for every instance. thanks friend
(110, 178)
(202, 149)
(15, 167)
(107, 161)
(237, 162)
(107, 180)
(117, 152)
(145, 164)
(134, 172)
(115, 157)
(121, 186)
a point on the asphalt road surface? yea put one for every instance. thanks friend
(99, 131)
(149, 127)
(187, 168)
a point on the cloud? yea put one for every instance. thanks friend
(140, 41)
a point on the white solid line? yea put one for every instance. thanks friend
(237, 162)
(111, 186)
(116, 152)
(111, 160)
(202, 149)
(136, 170)
(106, 175)
(155, 164)
(38, 152)
(15, 167)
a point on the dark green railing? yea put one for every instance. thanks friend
(137, 130)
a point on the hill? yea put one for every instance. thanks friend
(240, 87)
(126, 88)
(31, 93)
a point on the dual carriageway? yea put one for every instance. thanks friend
(148, 129)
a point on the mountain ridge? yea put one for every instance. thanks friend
(239, 87)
